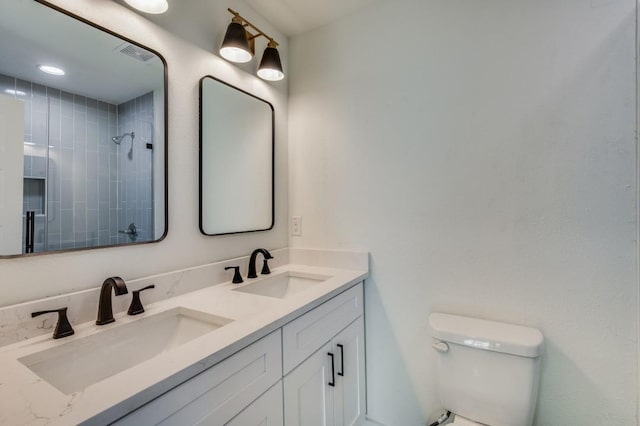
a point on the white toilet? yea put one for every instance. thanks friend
(487, 371)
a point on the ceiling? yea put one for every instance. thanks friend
(294, 17)
(31, 35)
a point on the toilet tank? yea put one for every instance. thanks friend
(487, 371)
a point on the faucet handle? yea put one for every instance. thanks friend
(136, 305)
(63, 327)
(237, 278)
(265, 266)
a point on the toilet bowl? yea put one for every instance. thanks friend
(487, 371)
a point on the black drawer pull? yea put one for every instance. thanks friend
(341, 372)
(332, 383)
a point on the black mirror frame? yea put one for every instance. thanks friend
(166, 140)
(273, 162)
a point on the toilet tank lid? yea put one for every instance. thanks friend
(487, 335)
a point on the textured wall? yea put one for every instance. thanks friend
(484, 152)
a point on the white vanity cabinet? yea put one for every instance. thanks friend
(218, 394)
(328, 387)
(289, 368)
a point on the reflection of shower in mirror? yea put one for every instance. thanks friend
(118, 139)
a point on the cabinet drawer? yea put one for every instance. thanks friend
(216, 395)
(266, 410)
(304, 335)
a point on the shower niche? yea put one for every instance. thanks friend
(83, 160)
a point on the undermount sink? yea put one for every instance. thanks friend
(283, 285)
(82, 362)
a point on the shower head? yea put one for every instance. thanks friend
(118, 139)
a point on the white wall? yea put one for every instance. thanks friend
(35, 277)
(484, 152)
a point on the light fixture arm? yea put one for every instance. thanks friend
(239, 19)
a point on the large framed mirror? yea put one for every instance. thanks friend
(83, 140)
(236, 160)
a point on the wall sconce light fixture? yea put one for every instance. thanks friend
(239, 46)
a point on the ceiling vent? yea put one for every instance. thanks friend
(136, 52)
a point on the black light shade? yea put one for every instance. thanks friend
(270, 65)
(235, 47)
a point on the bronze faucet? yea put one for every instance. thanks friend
(252, 262)
(105, 312)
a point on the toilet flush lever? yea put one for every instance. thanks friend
(440, 347)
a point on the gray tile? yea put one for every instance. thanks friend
(55, 118)
(66, 130)
(27, 165)
(104, 238)
(103, 192)
(66, 163)
(39, 234)
(92, 194)
(80, 217)
(53, 178)
(92, 110)
(65, 245)
(40, 104)
(80, 103)
(53, 241)
(113, 222)
(80, 240)
(67, 104)
(79, 128)
(40, 134)
(66, 194)
(66, 226)
(80, 185)
(92, 223)
(53, 216)
(39, 166)
(103, 217)
(92, 137)
(39, 90)
(54, 94)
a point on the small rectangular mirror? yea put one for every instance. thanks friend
(236, 160)
(83, 141)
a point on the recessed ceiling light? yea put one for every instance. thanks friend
(51, 70)
(15, 92)
(149, 6)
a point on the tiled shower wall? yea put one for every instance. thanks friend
(88, 177)
(135, 184)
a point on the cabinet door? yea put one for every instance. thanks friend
(264, 411)
(307, 393)
(348, 347)
(306, 334)
(218, 394)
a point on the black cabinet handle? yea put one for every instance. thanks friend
(333, 372)
(30, 231)
(341, 372)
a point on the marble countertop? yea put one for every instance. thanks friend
(25, 398)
